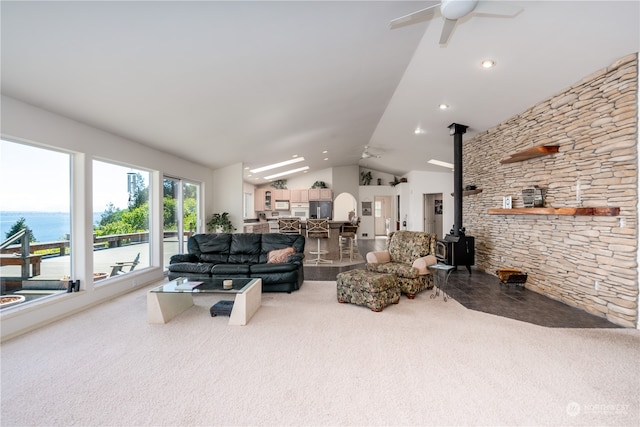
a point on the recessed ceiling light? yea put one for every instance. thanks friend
(326, 158)
(441, 163)
(488, 63)
(443, 106)
(294, 156)
(325, 152)
(278, 165)
(286, 172)
(419, 131)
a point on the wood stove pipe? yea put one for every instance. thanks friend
(457, 131)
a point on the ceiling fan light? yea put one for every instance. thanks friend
(456, 9)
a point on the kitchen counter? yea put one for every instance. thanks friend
(331, 244)
(256, 227)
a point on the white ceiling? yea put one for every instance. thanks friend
(255, 82)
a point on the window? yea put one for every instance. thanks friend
(34, 194)
(179, 224)
(121, 231)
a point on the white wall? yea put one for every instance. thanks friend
(227, 194)
(420, 183)
(25, 123)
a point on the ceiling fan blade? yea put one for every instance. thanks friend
(447, 29)
(414, 18)
(496, 8)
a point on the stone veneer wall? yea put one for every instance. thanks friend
(595, 123)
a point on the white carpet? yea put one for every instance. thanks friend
(304, 359)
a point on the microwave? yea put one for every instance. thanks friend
(282, 205)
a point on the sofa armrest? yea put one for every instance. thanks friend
(295, 258)
(379, 257)
(422, 264)
(183, 258)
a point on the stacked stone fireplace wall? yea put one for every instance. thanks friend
(589, 262)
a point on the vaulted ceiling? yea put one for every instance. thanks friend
(222, 83)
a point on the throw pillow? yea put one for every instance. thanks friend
(279, 255)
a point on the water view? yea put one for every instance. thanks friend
(45, 226)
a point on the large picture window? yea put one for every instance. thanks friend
(121, 230)
(35, 222)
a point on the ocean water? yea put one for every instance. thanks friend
(45, 226)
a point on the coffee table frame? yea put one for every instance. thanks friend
(165, 302)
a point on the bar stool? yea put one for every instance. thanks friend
(289, 225)
(346, 238)
(318, 229)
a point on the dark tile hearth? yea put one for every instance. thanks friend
(481, 291)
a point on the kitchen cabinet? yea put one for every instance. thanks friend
(279, 195)
(258, 200)
(262, 200)
(299, 196)
(320, 194)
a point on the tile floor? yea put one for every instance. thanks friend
(483, 292)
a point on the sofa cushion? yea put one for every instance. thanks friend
(230, 269)
(279, 255)
(273, 268)
(183, 258)
(245, 248)
(274, 241)
(396, 268)
(211, 248)
(191, 267)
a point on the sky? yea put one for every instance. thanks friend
(33, 179)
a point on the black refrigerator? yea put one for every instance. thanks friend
(321, 209)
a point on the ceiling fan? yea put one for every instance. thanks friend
(452, 10)
(367, 155)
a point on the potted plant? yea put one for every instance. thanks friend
(319, 184)
(220, 223)
(280, 184)
(366, 177)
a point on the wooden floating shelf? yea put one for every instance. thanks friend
(603, 211)
(532, 153)
(470, 192)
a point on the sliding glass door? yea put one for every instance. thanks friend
(181, 201)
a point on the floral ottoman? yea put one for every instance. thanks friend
(373, 290)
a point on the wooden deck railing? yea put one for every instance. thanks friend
(60, 247)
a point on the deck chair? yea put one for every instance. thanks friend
(117, 268)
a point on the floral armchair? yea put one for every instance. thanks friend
(408, 257)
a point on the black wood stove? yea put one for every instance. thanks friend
(456, 248)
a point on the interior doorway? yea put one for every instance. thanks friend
(433, 213)
(382, 213)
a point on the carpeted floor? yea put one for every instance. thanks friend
(304, 359)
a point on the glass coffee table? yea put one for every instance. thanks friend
(170, 299)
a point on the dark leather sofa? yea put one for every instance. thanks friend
(226, 255)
